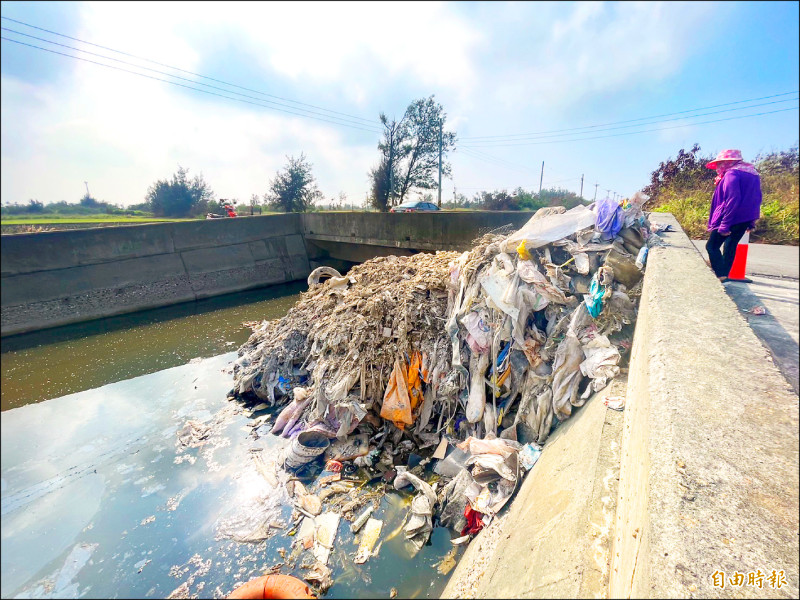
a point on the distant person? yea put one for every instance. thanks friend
(735, 208)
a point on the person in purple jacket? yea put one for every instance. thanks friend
(735, 208)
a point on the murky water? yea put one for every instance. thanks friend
(99, 498)
(55, 362)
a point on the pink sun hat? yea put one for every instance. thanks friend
(727, 155)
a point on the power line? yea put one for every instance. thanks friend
(214, 87)
(629, 120)
(492, 159)
(259, 103)
(182, 70)
(549, 183)
(644, 130)
(489, 144)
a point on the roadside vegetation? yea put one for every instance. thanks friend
(293, 189)
(518, 199)
(683, 186)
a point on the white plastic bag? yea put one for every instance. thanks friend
(539, 232)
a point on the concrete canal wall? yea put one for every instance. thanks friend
(56, 278)
(699, 474)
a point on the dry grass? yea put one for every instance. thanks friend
(779, 209)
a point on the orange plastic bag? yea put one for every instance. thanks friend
(415, 380)
(396, 402)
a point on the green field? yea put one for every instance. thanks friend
(55, 219)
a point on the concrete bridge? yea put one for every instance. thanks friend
(697, 477)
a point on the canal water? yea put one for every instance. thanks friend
(101, 500)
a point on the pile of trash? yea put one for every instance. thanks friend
(448, 371)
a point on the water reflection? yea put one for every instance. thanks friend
(55, 362)
(99, 499)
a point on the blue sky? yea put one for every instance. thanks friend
(499, 69)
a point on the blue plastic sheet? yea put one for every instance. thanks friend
(594, 299)
(610, 218)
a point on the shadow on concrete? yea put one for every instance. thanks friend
(782, 347)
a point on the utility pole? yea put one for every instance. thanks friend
(454, 195)
(391, 171)
(441, 123)
(540, 178)
(86, 183)
(391, 164)
(595, 192)
(581, 194)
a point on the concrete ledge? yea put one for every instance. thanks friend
(417, 231)
(34, 252)
(225, 232)
(709, 463)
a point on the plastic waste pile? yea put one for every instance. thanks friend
(446, 373)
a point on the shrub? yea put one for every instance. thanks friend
(684, 187)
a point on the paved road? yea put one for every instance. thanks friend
(767, 259)
(774, 271)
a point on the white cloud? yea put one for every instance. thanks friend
(122, 133)
(325, 42)
(107, 126)
(148, 29)
(329, 41)
(601, 48)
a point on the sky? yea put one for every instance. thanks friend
(600, 90)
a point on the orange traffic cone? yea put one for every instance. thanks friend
(740, 260)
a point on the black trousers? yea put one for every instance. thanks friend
(721, 262)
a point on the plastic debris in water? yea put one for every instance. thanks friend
(362, 518)
(372, 531)
(447, 563)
